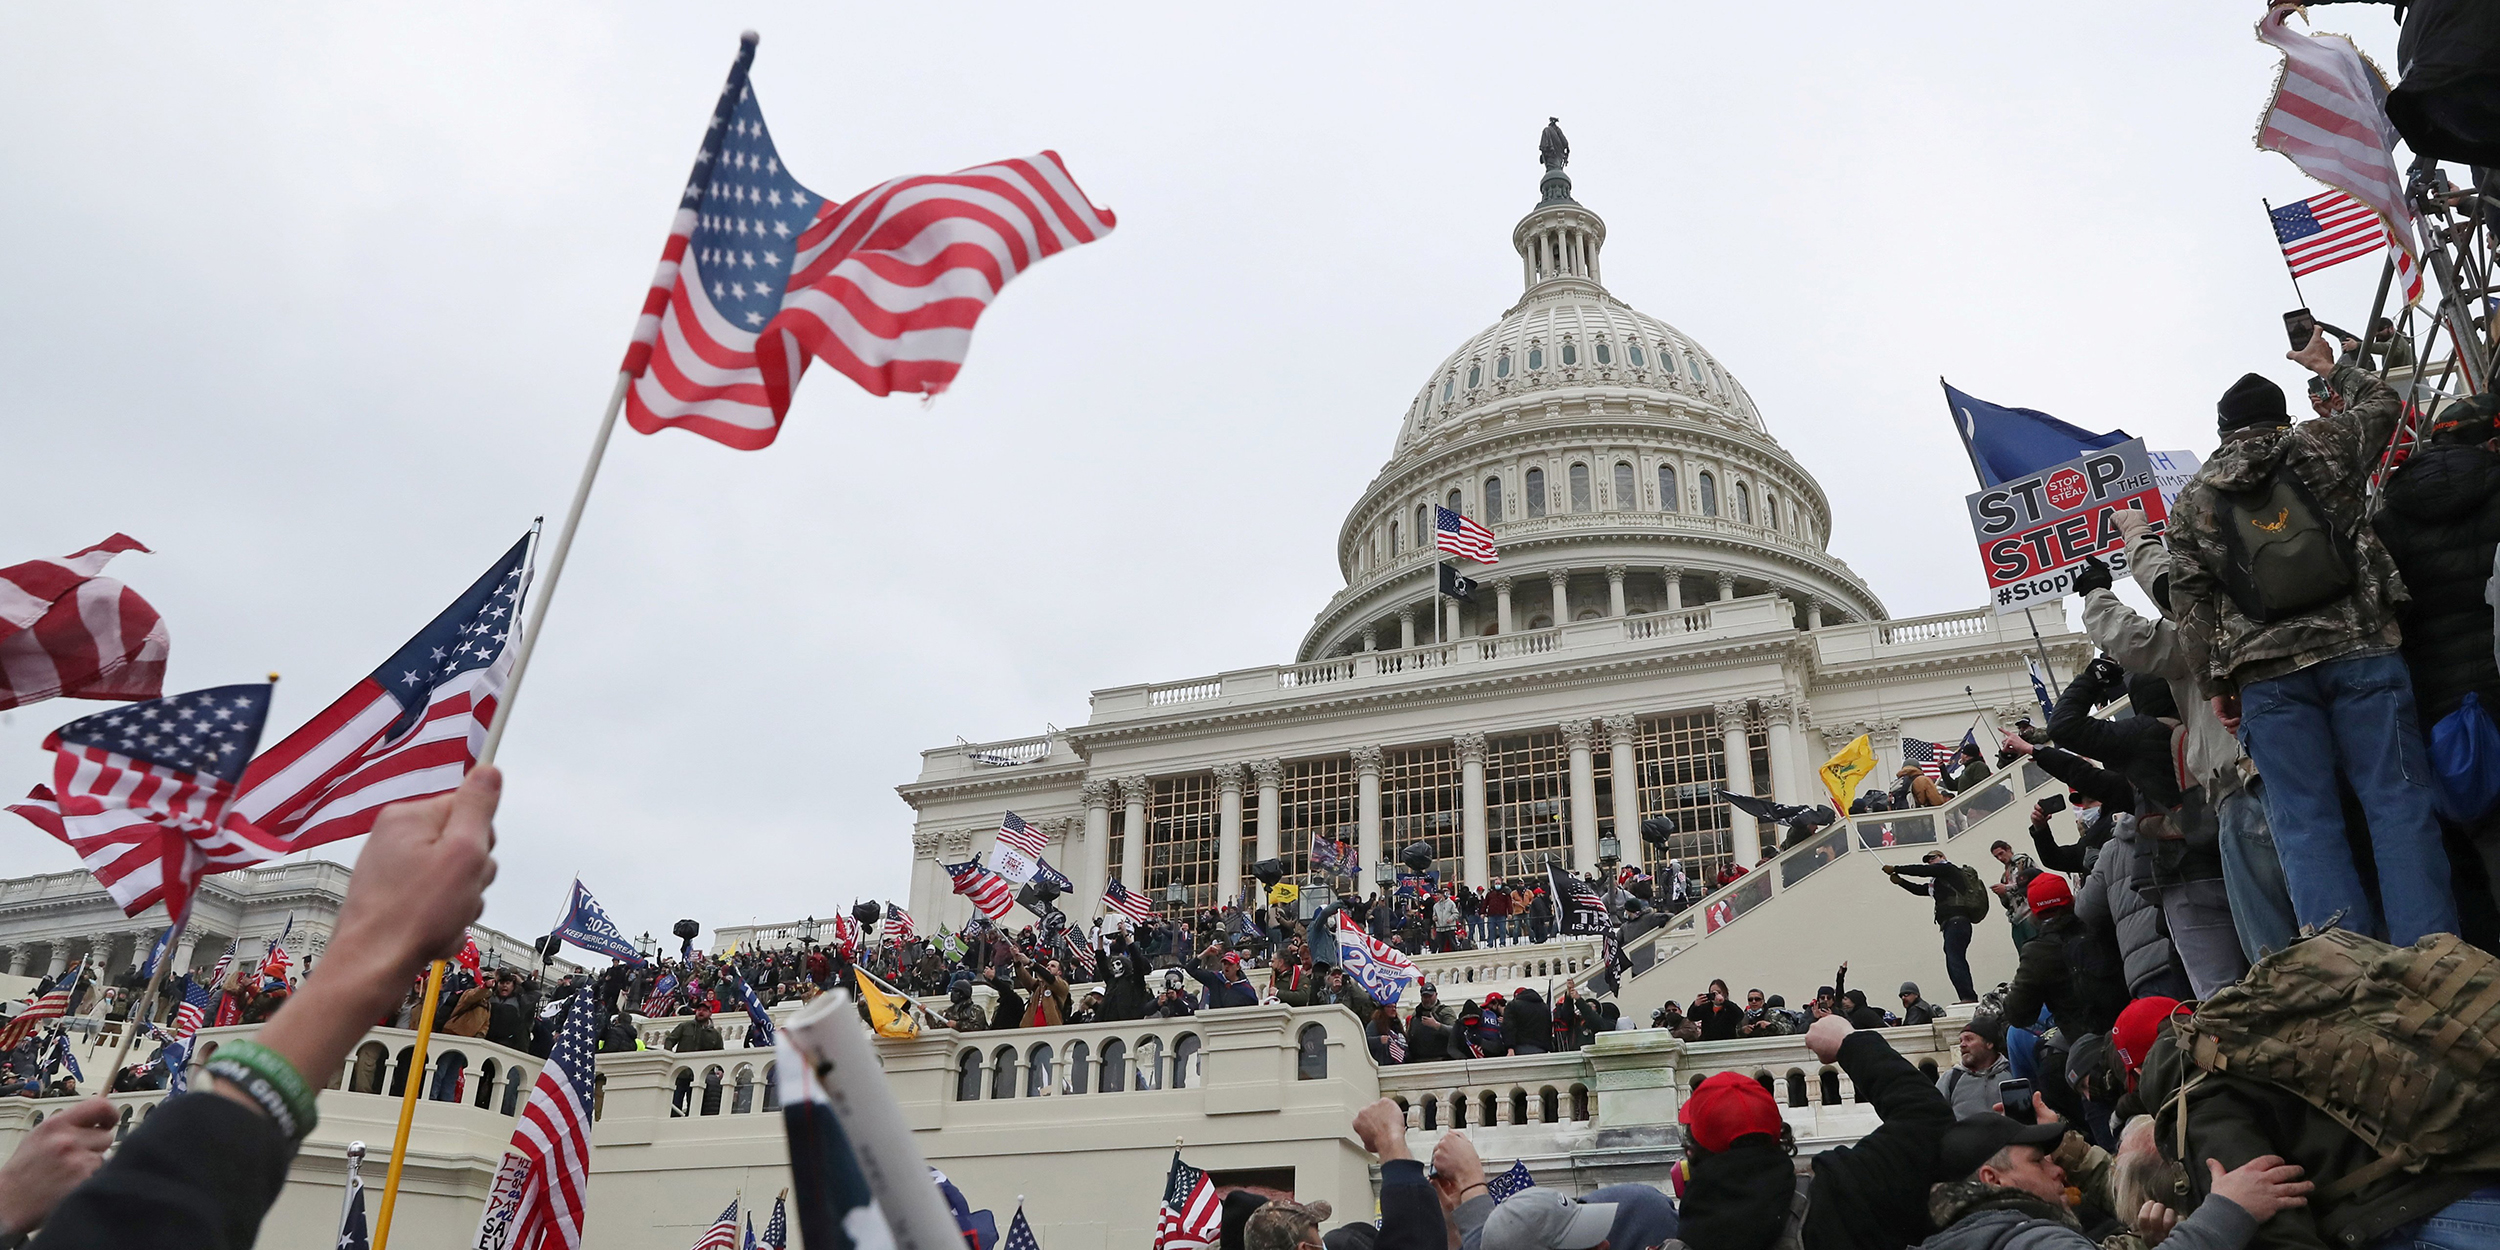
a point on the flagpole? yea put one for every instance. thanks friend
(130, 1022)
(539, 600)
(355, 1180)
(415, 1072)
(2287, 256)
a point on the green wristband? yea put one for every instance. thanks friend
(271, 1081)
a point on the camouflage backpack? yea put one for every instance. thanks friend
(2399, 1044)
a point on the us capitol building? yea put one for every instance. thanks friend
(1666, 619)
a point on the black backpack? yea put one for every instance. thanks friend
(2282, 556)
(1966, 896)
(2098, 972)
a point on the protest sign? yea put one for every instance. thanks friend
(2035, 531)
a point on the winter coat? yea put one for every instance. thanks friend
(1979, 1216)
(2441, 525)
(1872, 1195)
(1965, 775)
(2333, 457)
(1527, 1022)
(2109, 902)
(1973, 1093)
(2043, 978)
(1719, 1021)
(1914, 788)
(1314, 992)
(470, 1015)
(1008, 1012)
(2147, 751)
(1051, 1003)
(1124, 992)
(2154, 647)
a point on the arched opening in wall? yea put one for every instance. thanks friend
(1114, 1065)
(1079, 1073)
(1187, 1051)
(1518, 1106)
(1310, 1060)
(1432, 1112)
(1669, 499)
(367, 1077)
(1548, 1105)
(1458, 1111)
(1590, 614)
(1393, 540)
(1037, 1070)
(968, 1076)
(1423, 527)
(1771, 510)
(1149, 1064)
(1488, 1108)
(1003, 1072)
(772, 1088)
(1831, 1087)
(713, 1076)
(1627, 487)
(1709, 495)
(1580, 488)
(1581, 1109)
(681, 1098)
(1457, 501)
(516, 1082)
(450, 1072)
(1492, 500)
(399, 1070)
(1797, 1087)
(1744, 503)
(742, 1098)
(124, 1129)
(1540, 621)
(1536, 492)
(485, 1100)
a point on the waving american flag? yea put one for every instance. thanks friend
(1462, 537)
(539, 1193)
(761, 275)
(67, 631)
(987, 890)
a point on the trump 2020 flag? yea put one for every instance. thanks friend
(586, 925)
(761, 275)
(1381, 969)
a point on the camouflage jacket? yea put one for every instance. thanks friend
(967, 1017)
(2333, 456)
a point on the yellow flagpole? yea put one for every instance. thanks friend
(408, 1102)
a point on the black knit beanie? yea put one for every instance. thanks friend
(2251, 401)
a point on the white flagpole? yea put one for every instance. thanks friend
(555, 570)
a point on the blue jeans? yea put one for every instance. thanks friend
(2355, 713)
(2261, 904)
(1957, 959)
(2470, 1223)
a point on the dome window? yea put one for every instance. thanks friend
(1393, 540)
(1536, 357)
(1709, 501)
(1579, 488)
(1501, 366)
(1536, 492)
(1771, 510)
(1666, 486)
(1627, 488)
(1604, 356)
(1475, 374)
(1492, 499)
(1571, 353)
(1449, 387)
(1744, 504)
(1633, 348)
(1457, 503)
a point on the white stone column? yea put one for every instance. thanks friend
(1454, 632)
(1271, 775)
(1134, 791)
(1560, 579)
(925, 870)
(1577, 735)
(1475, 849)
(1614, 590)
(1501, 605)
(1727, 587)
(60, 959)
(1739, 763)
(1366, 814)
(1620, 755)
(1675, 587)
(184, 948)
(1227, 833)
(1814, 614)
(1371, 639)
(17, 961)
(1406, 628)
(1781, 712)
(1097, 792)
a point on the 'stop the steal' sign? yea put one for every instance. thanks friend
(2035, 531)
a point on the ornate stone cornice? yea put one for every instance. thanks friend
(1614, 572)
(1732, 712)
(1576, 734)
(1779, 709)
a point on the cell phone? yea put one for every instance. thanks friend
(2299, 326)
(2015, 1095)
(2053, 803)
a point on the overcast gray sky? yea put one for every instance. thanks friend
(322, 304)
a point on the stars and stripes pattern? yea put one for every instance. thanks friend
(187, 1020)
(410, 729)
(1930, 757)
(1396, 1043)
(2329, 229)
(1382, 970)
(1577, 909)
(1080, 957)
(352, 1231)
(761, 275)
(987, 890)
(1014, 832)
(67, 632)
(2329, 117)
(723, 1235)
(1127, 902)
(274, 961)
(554, 1136)
(1508, 1185)
(49, 1006)
(777, 1229)
(1462, 537)
(1020, 1233)
(898, 926)
(1191, 1219)
(146, 794)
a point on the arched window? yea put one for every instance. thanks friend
(1548, 1105)
(1492, 500)
(1501, 365)
(1667, 501)
(1114, 1065)
(1003, 1072)
(1488, 1107)
(1458, 1111)
(485, 1100)
(1149, 1064)
(772, 1088)
(1831, 1087)
(681, 1101)
(369, 1060)
(1635, 350)
(1423, 527)
(1475, 375)
(1579, 488)
(1311, 1053)
(1579, 1103)
(968, 1076)
(1077, 1069)
(1393, 540)
(1037, 1070)
(1771, 510)
(1449, 388)
(712, 1077)
(1627, 487)
(1709, 495)
(1796, 1088)
(1571, 353)
(1185, 1051)
(1536, 492)
(1605, 356)
(1432, 1113)
(1536, 357)
(449, 1071)
(1458, 503)
(516, 1086)
(1744, 503)
(742, 1097)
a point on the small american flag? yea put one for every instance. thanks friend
(724, 1231)
(1462, 537)
(987, 890)
(1396, 1043)
(410, 729)
(1127, 902)
(2330, 229)
(1014, 832)
(2329, 117)
(187, 1020)
(64, 631)
(1508, 1184)
(51, 1006)
(1192, 1219)
(1930, 757)
(761, 275)
(1081, 957)
(146, 794)
(1020, 1233)
(898, 928)
(554, 1137)
(777, 1229)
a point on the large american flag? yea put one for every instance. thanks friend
(723, 1234)
(410, 729)
(1462, 537)
(987, 890)
(50, 1006)
(2329, 116)
(66, 631)
(1930, 757)
(1127, 902)
(554, 1137)
(1191, 1219)
(146, 794)
(761, 275)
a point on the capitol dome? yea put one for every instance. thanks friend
(1622, 469)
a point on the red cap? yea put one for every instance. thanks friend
(2048, 890)
(1726, 1107)
(2132, 1036)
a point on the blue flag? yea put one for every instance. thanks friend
(1042, 871)
(759, 1022)
(2009, 443)
(2040, 689)
(352, 1235)
(155, 953)
(586, 925)
(1504, 1187)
